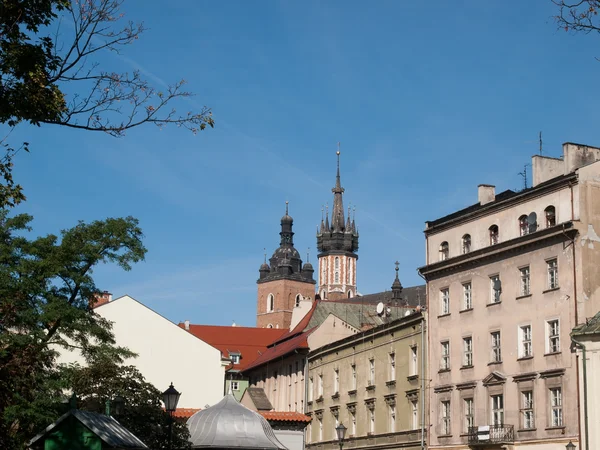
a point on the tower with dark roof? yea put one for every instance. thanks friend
(284, 281)
(337, 245)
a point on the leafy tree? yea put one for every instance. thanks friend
(102, 380)
(578, 15)
(45, 290)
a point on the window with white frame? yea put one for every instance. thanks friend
(270, 303)
(496, 346)
(525, 284)
(320, 386)
(235, 385)
(553, 331)
(497, 409)
(320, 429)
(392, 366)
(552, 268)
(469, 421)
(310, 389)
(336, 422)
(556, 412)
(392, 418)
(445, 359)
(525, 348)
(445, 417)
(467, 296)
(527, 416)
(336, 271)
(467, 351)
(414, 406)
(523, 225)
(494, 235)
(235, 358)
(414, 358)
(371, 372)
(466, 243)
(495, 289)
(336, 381)
(371, 421)
(444, 301)
(444, 251)
(353, 423)
(353, 367)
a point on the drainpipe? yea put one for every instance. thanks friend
(585, 396)
(305, 409)
(423, 382)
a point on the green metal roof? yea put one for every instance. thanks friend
(591, 326)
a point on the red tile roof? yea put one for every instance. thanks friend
(249, 341)
(185, 413)
(284, 416)
(282, 348)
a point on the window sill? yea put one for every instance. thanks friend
(352, 392)
(443, 370)
(552, 353)
(319, 400)
(526, 430)
(562, 427)
(525, 358)
(309, 403)
(465, 310)
(466, 367)
(412, 377)
(493, 303)
(336, 395)
(444, 315)
(523, 296)
(493, 363)
(371, 387)
(444, 436)
(551, 290)
(390, 383)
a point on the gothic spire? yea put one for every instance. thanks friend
(327, 217)
(396, 285)
(337, 215)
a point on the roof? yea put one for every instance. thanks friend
(106, 428)
(285, 416)
(411, 296)
(591, 326)
(282, 348)
(229, 424)
(249, 342)
(184, 413)
(259, 398)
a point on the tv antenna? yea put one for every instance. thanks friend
(524, 175)
(541, 144)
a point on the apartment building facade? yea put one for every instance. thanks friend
(507, 279)
(372, 383)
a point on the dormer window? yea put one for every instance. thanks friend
(494, 235)
(444, 251)
(550, 214)
(523, 225)
(235, 358)
(466, 243)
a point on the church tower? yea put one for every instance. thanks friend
(337, 244)
(283, 282)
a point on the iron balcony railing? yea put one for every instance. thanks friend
(491, 434)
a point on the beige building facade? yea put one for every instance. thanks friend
(372, 383)
(507, 279)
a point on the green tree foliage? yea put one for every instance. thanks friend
(45, 289)
(102, 380)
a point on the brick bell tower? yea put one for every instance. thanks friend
(283, 282)
(337, 245)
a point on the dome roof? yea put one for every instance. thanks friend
(265, 267)
(287, 219)
(286, 253)
(307, 266)
(229, 424)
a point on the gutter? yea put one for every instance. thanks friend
(585, 395)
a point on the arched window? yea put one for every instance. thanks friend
(523, 225)
(466, 243)
(336, 270)
(270, 325)
(270, 303)
(323, 294)
(550, 214)
(298, 298)
(444, 251)
(494, 235)
(348, 270)
(350, 294)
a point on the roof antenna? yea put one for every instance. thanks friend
(265, 253)
(541, 146)
(524, 175)
(307, 253)
(286, 207)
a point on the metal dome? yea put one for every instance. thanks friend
(229, 424)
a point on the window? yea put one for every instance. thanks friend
(467, 296)
(298, 299)
(445, 361)
(525, 349)
(235, 358)
(353, 423)
(392, 415)
(310, 389)
(556, 407)
(270, 325)
(495, 289)
(444, 301)
(353, 376)
(336, 381)
(524, 271)
(320, 429)
(392, 366)
(415, 414)
(336, 422)
(496, 347)
(275, 375)
(413, 360)
(445, 416)
(468, 412)
(320, 386)
(550, 214)
(371, 372)
(552, 266)
(497, 409)
(270, 303)
(467, 351)
(523, 225)
(553, 328)
(494, 235)
(444, 251)
(235, 385)
(371, 421)
(527, 410)
(336, 272)
(466, 243)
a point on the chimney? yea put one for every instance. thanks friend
(486, 193)
(186, 325)
(100, 298)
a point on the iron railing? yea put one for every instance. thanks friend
(491, 434)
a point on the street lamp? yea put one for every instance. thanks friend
(119, 403)
(570, 446)
(170, 399)
(341, 433)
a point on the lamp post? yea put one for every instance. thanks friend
(170, 399)
(570, 446)
(341, 433)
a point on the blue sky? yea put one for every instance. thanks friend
(428, 100)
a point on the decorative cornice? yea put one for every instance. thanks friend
(370, 403)
(444, 388)
(412, 395)
(351, 407)
(466, 385)
(493, 379)
(552, 373)
(390, 399)
(525, 377)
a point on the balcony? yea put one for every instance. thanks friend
(486, 435)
